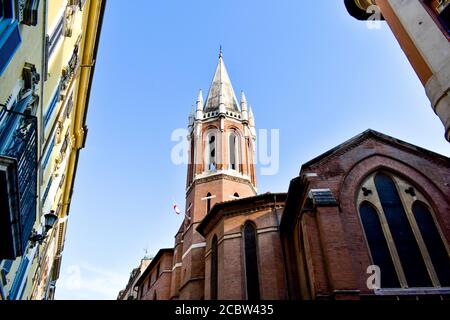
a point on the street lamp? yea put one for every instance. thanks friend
(50, 220)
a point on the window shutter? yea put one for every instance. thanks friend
(18, 279)
(10, 40)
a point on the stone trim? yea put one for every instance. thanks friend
(412, 291)
(223, 212)
(254, 209)
(177, 265)
(231, 236)
(267, 230)
(192, 247)
(220, 176)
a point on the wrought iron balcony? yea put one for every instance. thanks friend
(27, 11)
(18, 177)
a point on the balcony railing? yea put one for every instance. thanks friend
(18, 172)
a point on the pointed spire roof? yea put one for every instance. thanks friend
(221, 90)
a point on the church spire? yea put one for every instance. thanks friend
(221, 96)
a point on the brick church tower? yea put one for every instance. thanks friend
(221, 168)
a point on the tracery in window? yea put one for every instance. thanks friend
(402, 234)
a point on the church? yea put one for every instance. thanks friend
(368, 219)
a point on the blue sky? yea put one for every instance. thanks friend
(308, 69)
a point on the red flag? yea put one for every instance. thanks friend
(176, 209)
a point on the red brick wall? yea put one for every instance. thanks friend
(176, 267)
(231, 270)
(159, 285)
(192, 272)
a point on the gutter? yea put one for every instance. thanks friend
(88, 95)
(73, 164)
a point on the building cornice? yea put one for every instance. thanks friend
(382, 138)
(219, 176)
(242, 206)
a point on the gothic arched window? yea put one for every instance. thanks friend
(402, 235)
(433, 241)
(233, 152)
(208, 202)
(251, 262)
(378, 246)
(236, 195)
(214, 265)
(211, 152)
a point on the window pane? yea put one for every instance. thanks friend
(211, 154)
(20, 274)
(251, 263)
(433, 241)
(208, 202)
(232, 146)
(378, 246)
(52, 106)
(10, 40)
(408, 250)
(56, 36)
(48, 153)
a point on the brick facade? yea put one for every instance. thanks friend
(226, 222)
(154, 283)
(326, 245)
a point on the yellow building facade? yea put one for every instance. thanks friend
(47, 59)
